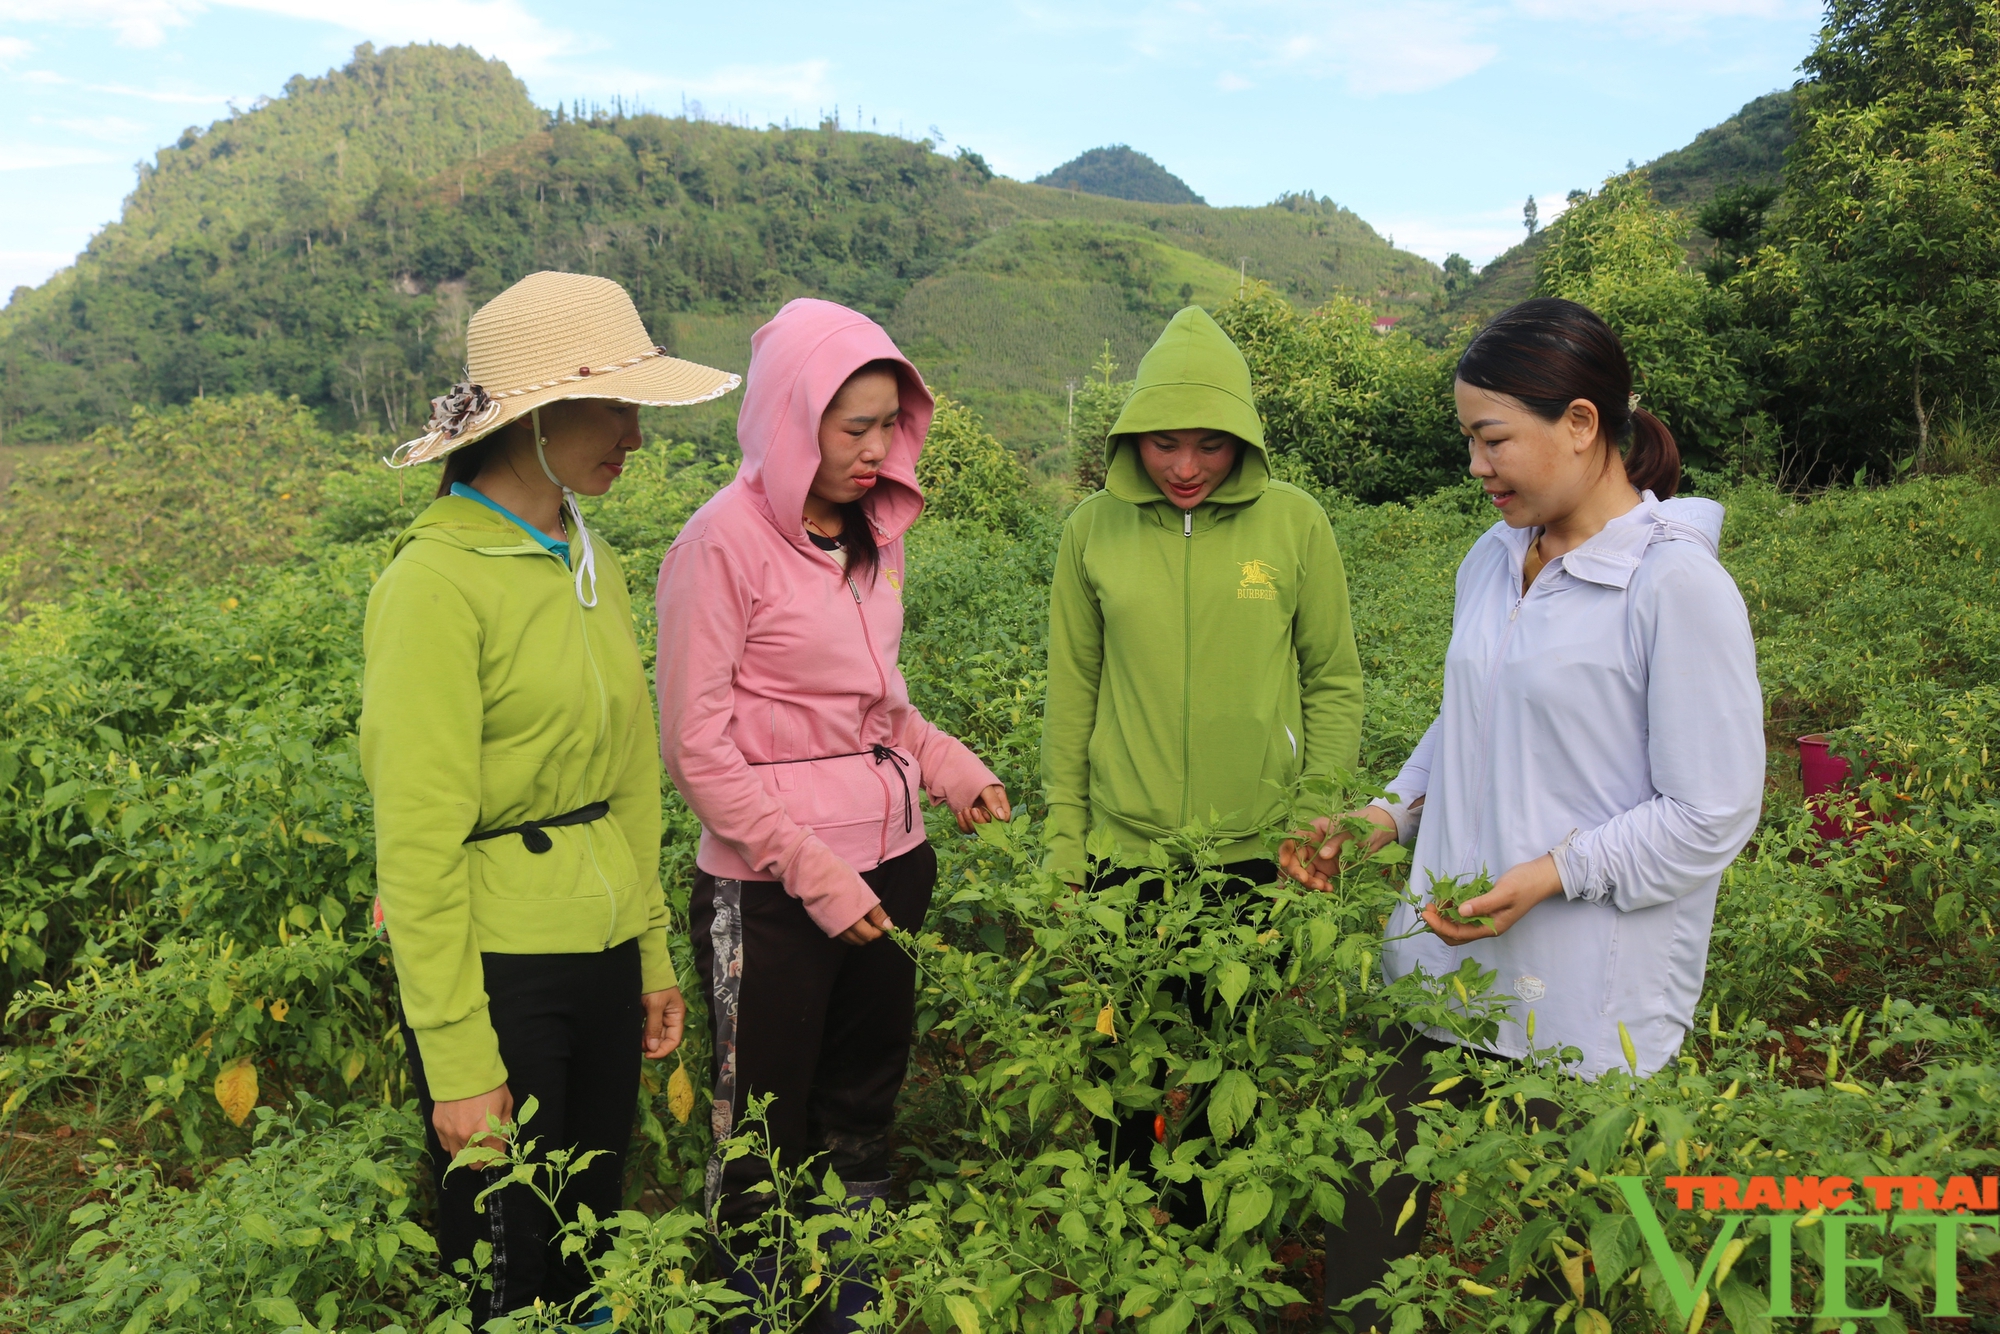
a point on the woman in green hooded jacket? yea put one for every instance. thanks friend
(1201, 657)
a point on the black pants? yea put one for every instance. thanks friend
(1131, 1137)
(569, 1027)
(822, 1025)
(1360, 1251)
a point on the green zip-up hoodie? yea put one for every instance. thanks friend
(492, 696)
(1201, 660)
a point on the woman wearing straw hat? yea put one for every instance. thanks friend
(507, 738)
(789, 730)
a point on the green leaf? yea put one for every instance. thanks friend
(1174, 1319)
(1097, 1100)
(1231, 1104)
(1232, 979)
(1203, 1070)
(1249, 1204)
(260, 1227)
(279, 1310)
(96, 803)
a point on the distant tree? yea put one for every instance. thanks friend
(1099, 400)
(1619, 253)
(1735, 220)
(1457, 273)
(1885, 289)
(1530, 215)
(975, 164)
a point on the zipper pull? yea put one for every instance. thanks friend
(852, 589)
(1517, 608)
(1187, 523)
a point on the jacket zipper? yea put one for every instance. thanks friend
(1187, 664)
(882, 688)
(603, 725)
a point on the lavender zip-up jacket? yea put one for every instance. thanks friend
(1611, 715)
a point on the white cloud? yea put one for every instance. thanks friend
(13, 48)
(136, 22)
(1233, 83)
(107, 129)
(217, 100)
(36, 157)
(1412, 46)
(502, 28)
(1478, 236)
(28, 268)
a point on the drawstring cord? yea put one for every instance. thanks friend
(882, 755)
(586, 565)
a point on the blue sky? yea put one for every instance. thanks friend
(1433, 119)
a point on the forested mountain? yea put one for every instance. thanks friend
(332, 243)
(1121, 172)
(1747, 149)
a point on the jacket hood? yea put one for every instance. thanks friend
(798, 361)
(465, 524)
(1611, 557)
(1702, 516)
(1193, 377)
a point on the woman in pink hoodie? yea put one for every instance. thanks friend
(788, 729)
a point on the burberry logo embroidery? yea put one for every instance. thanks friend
(1258, 581)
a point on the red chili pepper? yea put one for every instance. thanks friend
(1159, 1129)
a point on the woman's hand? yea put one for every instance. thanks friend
(1313, 858)
(870, 928)
(1506, 903)
(666, 1017)
(462, 1121)
(990, 804)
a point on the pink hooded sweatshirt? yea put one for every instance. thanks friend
(777, 673)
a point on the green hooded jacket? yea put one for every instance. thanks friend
(1199, 661)
(491, 696)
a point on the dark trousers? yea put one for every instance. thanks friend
(569, 1027)
(1131, 1137)
(822, 1025)
(1360, 1251)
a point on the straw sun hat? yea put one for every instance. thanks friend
(549, 337)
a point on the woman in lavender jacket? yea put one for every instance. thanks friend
(1600, 749)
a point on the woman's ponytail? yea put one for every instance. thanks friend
(1652, 459)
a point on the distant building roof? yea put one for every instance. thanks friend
(1384, 323)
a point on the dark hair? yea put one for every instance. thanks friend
(856, 533)
(462, 465)
(1548, 353)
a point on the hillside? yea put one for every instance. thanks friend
(1747, 148)
(1120, 172)
(331, 244)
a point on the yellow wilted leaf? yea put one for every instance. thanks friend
(279, 1009)
(1105, 1025)
(13, 1101)
(354, 1065)
(1572, 1267)
(1592, 1322)
(680, 1094)
(236, 1090)
(313, 836)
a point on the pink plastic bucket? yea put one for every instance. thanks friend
(1823, 775)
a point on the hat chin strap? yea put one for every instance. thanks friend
(586, 565)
